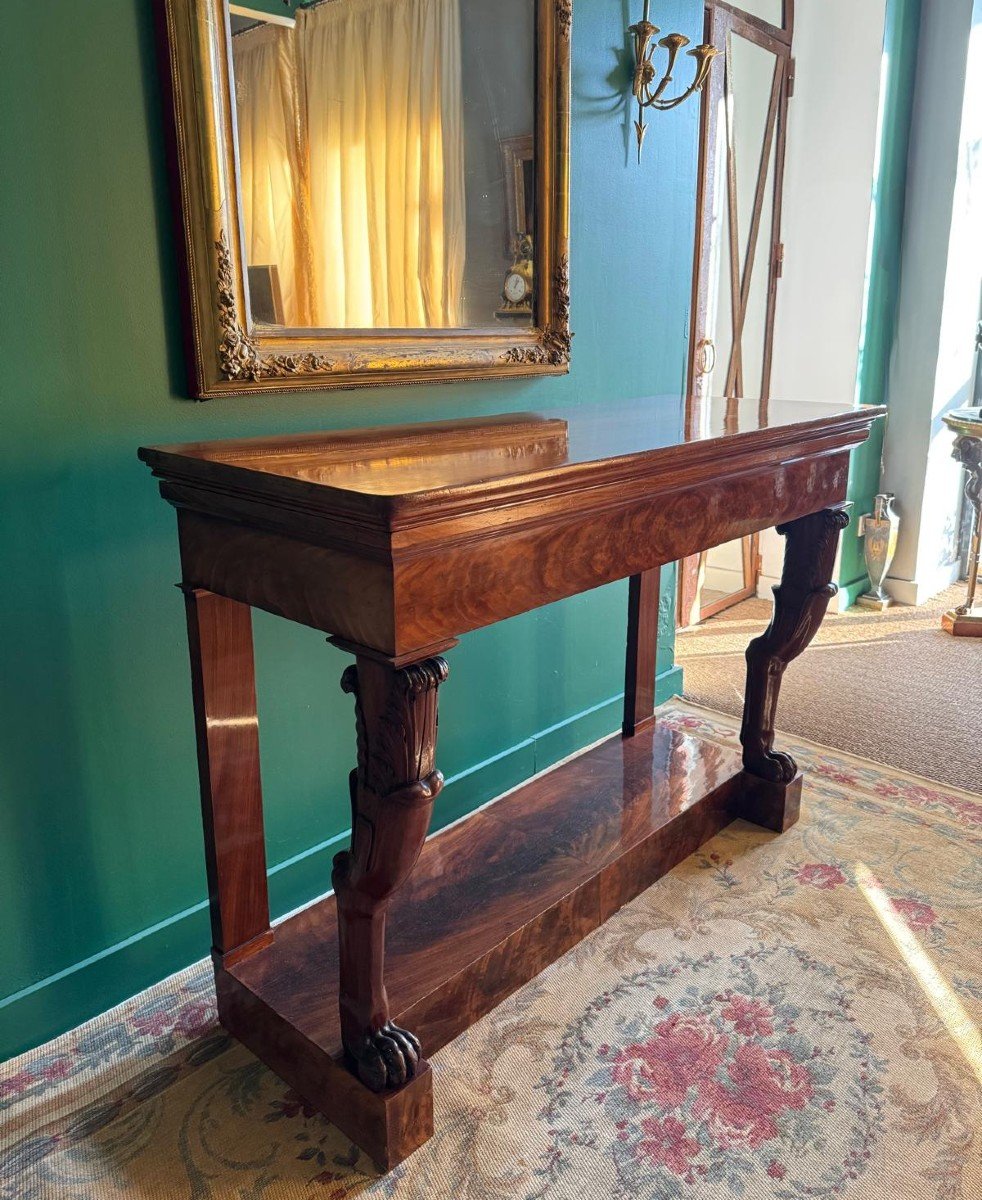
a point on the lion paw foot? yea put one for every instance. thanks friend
(772, 765)
(386, 1059)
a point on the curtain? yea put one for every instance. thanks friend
(272, 166)
(383, 116)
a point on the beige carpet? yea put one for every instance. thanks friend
(779, 1018)
(891, 687)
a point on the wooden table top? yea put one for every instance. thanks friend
(401, 539)
(396, 472)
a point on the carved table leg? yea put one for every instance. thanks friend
(800, 603)
(392, 795)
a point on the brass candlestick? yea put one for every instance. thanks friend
(966, 619)
(646, 92)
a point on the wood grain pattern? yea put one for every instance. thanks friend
(227, 730)
(491, 903)
(452, 587)
(403, 572)
(408, 476)
(335, 590)
(387, 1126)
(392, 795)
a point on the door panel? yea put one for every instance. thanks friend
(771, 11)
(738, 257)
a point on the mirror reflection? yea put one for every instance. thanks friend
(386, 160)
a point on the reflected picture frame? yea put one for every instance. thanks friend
(228, 352)
(517, 156)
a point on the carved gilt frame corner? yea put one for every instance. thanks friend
(226, 354)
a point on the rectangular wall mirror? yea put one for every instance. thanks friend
(370, 191)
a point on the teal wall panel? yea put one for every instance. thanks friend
(101, 877)
(900, 39)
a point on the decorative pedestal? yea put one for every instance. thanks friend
(966, 619)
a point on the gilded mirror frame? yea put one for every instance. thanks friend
(227, 353)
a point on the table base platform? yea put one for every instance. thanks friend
(492, 901)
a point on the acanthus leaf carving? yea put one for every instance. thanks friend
(238, 355)
(555, 345)
(395, 745)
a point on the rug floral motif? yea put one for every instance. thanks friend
(717, 1085)
(779, 1018)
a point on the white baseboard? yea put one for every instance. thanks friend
(723, 579)
(919, 591)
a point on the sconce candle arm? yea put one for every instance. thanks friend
(646, 92)
(702, 74)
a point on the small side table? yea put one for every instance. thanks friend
(966, 619)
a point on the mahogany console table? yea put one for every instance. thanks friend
(395, 542)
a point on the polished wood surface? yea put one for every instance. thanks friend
(395, 543)
(801, 600)
(392, 795)
(227, 729)
(492, 902)
(644, 591)
(406, 569)
(402, 460)
(388, 1126)
(437, 467)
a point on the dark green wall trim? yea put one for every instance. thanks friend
(36, 1013)
(279, 8)
(900, 39)
(850, 592)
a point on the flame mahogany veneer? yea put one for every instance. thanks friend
(395, 542)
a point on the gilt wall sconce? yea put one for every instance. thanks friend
(646, 92)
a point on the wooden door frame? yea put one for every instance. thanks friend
(722, 19)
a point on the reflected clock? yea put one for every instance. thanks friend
(517, 290)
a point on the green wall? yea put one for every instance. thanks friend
(101, 877)
(900, 37)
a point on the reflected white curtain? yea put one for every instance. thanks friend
(272, 166)
(383, 110)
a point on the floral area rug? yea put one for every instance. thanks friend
(779, 1018)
